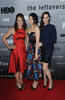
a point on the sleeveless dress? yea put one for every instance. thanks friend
(34, 67)
(18, 55)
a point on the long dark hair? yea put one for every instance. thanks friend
(35, 17)
(41, 22)
(24, 22)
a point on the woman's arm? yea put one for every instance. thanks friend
(39, 44)
(7, 35)
(26, 39)
(37, 31)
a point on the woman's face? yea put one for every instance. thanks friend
(19, 21)
(31, 21)
(46, 19)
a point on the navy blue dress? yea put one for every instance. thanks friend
(34, 67)
(48, 38)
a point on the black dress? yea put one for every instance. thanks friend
(48, 38)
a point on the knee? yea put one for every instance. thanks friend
(44, 68)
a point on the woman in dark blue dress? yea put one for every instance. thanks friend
(47, 38)
(34, 64)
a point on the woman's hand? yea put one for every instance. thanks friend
(12, 47)
(39, 44)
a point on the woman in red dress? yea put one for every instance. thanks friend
(18, 50)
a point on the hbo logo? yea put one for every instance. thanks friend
(6, 10)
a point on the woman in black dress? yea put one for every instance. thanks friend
(47, 38)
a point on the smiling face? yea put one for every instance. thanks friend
(31, 21)
(19, 21)
(46, 19)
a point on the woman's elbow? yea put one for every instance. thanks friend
(3, 38)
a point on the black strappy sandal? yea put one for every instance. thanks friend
(21, 88)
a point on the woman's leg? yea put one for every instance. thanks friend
(45, 78)
(35, 82)
(17, 77)
(20, 77)
(17, 80)
(48, 73)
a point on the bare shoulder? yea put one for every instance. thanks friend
(11, 30)
(27, 31)
(37, 28)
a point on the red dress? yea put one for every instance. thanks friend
(18, 55)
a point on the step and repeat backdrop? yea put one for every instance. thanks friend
(8, 11)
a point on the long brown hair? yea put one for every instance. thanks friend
(24, 22)
(41, 22)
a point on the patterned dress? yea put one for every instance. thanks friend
(34, 67)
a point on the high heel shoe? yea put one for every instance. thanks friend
(51, 87)
(33, 87)
(46, 84)
(22, 85)
(18, 87)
